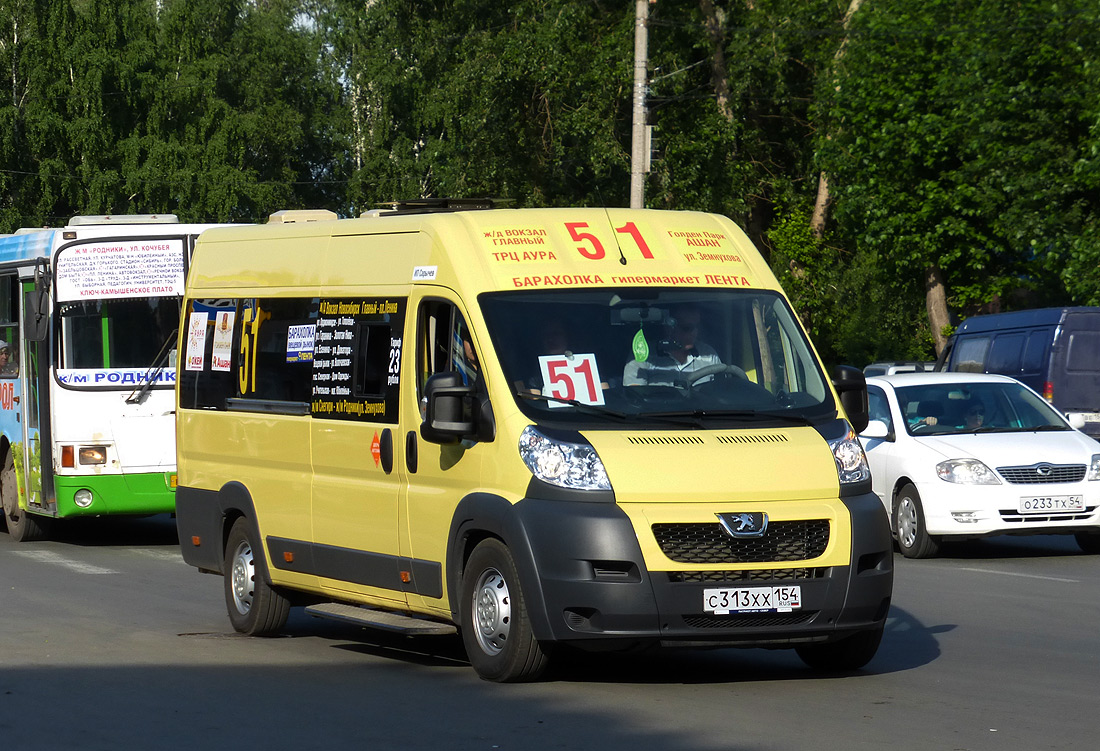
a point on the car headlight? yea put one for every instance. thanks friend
(1094, 468)
(966, 472)
(567, 465)
(851, 462)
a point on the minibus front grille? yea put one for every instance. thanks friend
(759, 574)
(1042, 474)
(749, 620)
(709, 542)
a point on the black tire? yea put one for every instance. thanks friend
(909, 528)
(1088, 541)
(496, 629)
(849, 653)
(255, 607)
(22, 526)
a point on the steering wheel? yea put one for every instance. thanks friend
(711, 370)
(921, 427)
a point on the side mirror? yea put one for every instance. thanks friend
(876, 429)
(851, 386)
(452, 409)
(37, 325)
(1076, 420)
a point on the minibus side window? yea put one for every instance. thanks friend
(1004, 355)
(281, 372)
(372, 359)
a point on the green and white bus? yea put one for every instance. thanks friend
(88, 321)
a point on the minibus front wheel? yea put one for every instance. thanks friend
(255, 607)
(496, 629)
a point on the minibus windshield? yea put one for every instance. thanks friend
(661, 356)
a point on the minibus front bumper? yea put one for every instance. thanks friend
(586, 584)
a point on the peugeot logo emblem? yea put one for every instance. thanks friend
(1044, 470)
(748, 524)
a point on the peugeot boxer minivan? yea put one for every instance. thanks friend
(594, 428)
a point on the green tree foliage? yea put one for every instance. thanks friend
(957, 134)
(961, 137)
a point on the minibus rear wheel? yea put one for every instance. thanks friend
(496, 630)
(255, 607)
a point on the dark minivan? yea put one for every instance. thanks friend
(1055, 351)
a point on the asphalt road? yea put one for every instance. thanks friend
(108, 641)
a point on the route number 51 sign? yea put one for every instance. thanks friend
(574, 377)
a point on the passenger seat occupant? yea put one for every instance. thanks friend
(681, 356)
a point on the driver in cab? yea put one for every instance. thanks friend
(680, 356)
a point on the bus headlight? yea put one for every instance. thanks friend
(567, 465)
(93, 454)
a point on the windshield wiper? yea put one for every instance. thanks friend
(594, 409)
(154, 370)
(1039, 428)
(740, 414)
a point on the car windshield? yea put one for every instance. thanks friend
(989, 407)
(663, 356)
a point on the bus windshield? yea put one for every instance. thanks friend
(685, 357)
(124, 333)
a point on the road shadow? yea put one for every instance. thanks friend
(907, 644)
(1012, 546)
(112, 531)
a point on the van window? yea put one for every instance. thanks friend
(1004, 355)
(1035, 353)
(970, 354)
(277, 367)
(593, 355)
(1083, 352)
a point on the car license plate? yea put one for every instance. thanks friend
(1051, 504)
(1091, 416)
(724, 601)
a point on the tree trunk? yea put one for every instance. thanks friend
(935, 299)
(719, 75)
(821, 203)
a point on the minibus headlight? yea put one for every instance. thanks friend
(851, 462)
(966, 472)
(567, 465)
(1094, 467)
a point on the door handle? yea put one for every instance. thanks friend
(385, 450)
(410, 451)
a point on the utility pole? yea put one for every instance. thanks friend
(639, 146)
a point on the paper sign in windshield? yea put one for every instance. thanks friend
(571, 377)
(119, 269)
(221, 354)
(299, 343)
(196, 341)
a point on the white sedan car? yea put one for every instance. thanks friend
(964, 455)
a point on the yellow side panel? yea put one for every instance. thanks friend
(268, 454)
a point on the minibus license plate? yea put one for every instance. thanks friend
(1051, 504)
(752, 600)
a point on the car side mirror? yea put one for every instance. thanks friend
(877, 429)
(1076, 420)
(851, 387)
(455, 411)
